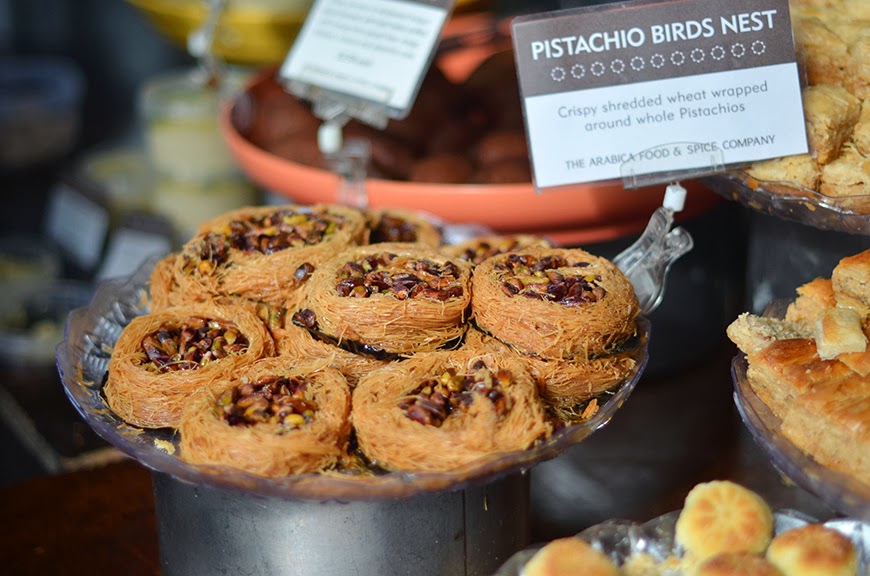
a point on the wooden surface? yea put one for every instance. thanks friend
(96, 522)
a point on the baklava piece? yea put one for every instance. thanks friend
(831, 113)
(823, 53)
(847, 181)
(802, 170)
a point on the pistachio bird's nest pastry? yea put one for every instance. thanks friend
(164, 359)
(276, 417)
(479, 248)
(562, 383)
(394, 297)
(442, 410)
(264, 253)
(554, 302)
(162, 287)
(300, 343)
(397, 225)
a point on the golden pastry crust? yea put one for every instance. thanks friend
(264, 253)
(276, 446)
(851, 282)
(801, 169)
(858, 67)
(859, 362)
(823, 53)
(861, 133)
(736, 564)
(813, 298)
(813, 550)
(752, 333)
(800, 5)
(405, 419)
(562, 382)
(858, 9)
(831, 113)
(839, 331)
(847, 180)
(850, 29)
(722, 516)
(819, 387)
(788, 368)
(556, 303)
(299, 343)
(410, 298)
(569, 557)
(832, 423)
(145, 395)
(161, 285)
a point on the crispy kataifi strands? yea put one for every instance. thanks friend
(306, 434)
(414, 299)
(556, 303)
(390, 417)
(152, 395)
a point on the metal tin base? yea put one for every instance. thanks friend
(205, 530)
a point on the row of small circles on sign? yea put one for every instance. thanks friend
(637, 63)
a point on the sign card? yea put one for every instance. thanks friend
(658, 87)
(374, 50)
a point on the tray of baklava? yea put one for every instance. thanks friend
(829, 186)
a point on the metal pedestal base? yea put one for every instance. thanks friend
(205, 531)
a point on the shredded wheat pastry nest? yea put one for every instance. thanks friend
(399, 324)
(518, 299)
(478, 429)
(398, 225)
(299, 343)
(272, 448)
(479, 248)
(144, 396)
(562, 382)
(262, 253)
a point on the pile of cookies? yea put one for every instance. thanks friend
(832, 39)
(812, 368)
(724, 529)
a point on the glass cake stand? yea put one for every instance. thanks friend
(795, 203)
(83, 357)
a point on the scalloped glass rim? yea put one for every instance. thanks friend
(805, 206)
(82, 360)
(836, 489)
(619, 539)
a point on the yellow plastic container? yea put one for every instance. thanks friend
(249, 32)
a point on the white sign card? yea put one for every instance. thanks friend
(658, 87)
(373, 50)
